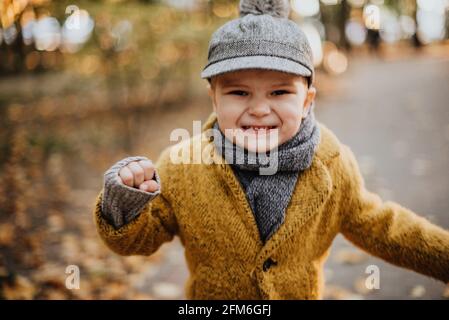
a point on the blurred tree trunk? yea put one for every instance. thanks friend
(334, 18)
(342, 19)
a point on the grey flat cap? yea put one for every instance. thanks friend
(262, 38)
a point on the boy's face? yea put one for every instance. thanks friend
(260, 109)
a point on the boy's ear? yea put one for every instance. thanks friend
(310, 98)
(209, 91)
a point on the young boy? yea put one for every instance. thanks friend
(247, 234)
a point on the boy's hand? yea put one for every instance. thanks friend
(128, 186)
(139, 174)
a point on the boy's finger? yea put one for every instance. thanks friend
(138, 173)
(149, 186)
(127, 176)
(148, 168)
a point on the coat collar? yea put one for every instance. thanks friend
(309, 194)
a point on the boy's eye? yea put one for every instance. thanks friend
(280, 92)
(238, 93)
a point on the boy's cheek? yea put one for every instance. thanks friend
(227, 119)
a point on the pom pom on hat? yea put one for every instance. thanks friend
(275, 8)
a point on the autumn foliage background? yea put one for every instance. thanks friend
(71, 104)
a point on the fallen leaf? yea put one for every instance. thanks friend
(114, 291)
(55, 223)
(55, 294)
(417, 291)
(334, 292)
(446, 292)
(360, 286)
(345, 256)
(166, 290)
(142, 296)
(6, 234)
(20, 289)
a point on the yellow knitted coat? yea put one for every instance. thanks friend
(206, 207)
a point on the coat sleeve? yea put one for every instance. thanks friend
(155, 225)
(388, 230)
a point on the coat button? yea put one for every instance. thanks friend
(268, 263)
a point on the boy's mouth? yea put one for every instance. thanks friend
(267, 137)
(258, 129)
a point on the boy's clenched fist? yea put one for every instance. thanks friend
(139, 174)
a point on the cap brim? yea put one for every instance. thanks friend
(255, 62)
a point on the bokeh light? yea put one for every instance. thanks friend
(371, 16)
(47, 34)
(306, 8)
(314, 38)
(76, 31)
(355, 32)
(336, 62)
(431, 18)
(408, 26)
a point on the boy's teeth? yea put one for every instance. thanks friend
(257, 128)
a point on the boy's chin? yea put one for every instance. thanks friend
(257, 145)
(256, 149)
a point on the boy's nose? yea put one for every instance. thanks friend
(259, 107)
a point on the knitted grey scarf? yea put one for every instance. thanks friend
(269, 195)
